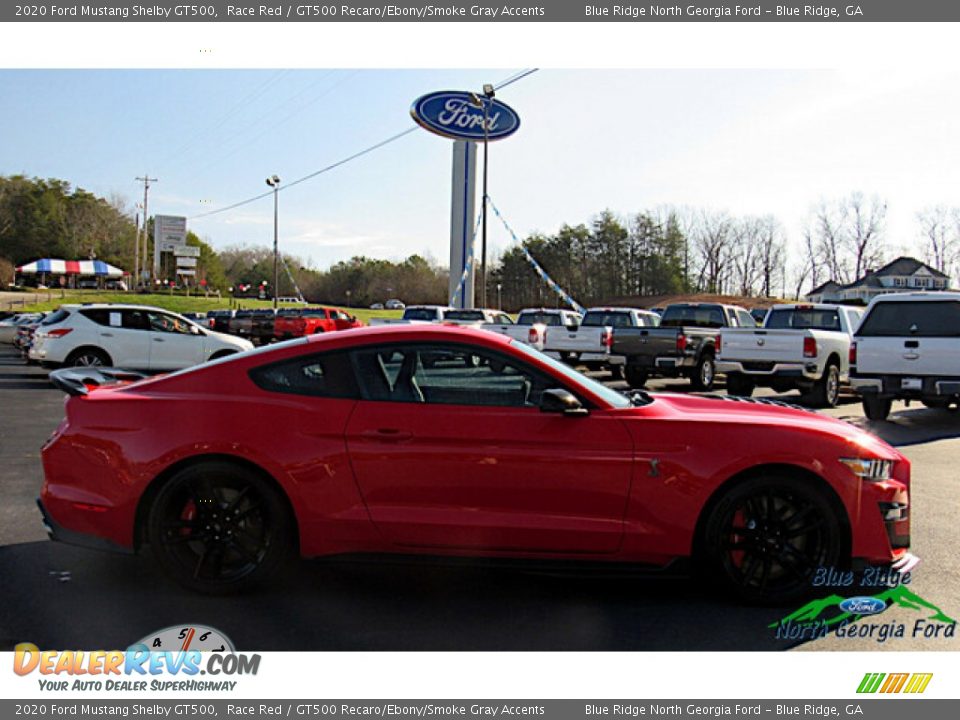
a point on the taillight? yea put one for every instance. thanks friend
(606, 339)
(681, 342)
(59, 332)
(533, 336)
(853, 353)
(717, 342)
(809, 347)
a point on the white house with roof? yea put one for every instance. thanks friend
(901, 275)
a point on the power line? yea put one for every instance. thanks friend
(508, 81)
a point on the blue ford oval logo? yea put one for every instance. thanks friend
(863, 605)
(454, 114)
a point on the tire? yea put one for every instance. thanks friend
(616, 372)
(318, 331)
(497, 366)
(636, 378)
(936, 403)
(766, 537)
(88, 357)
(739, 385)
(704, 373)
(826, 391)
(876, 408)
(205, 548)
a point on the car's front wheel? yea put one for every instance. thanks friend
(218, 528)
(767, 537)
(636, 377)
(876, 408)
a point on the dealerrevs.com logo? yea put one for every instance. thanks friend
(140, 667)
(911, 683)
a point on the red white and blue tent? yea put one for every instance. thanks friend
(84, 268)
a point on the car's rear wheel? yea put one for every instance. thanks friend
(218, 528)
(88, 357)
(223, 354)
(616, 372)
(876, 408)
(739, 385)
(636, 378)
(767, 537)
(826, 391)
(704, 373)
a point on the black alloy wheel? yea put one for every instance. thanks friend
(219, 528)
(768, 536)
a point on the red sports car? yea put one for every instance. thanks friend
(351, 443)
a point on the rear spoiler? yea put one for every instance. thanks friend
(81, 380)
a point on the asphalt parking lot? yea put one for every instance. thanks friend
(59, 596)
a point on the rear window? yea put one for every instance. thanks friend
(329, 375)
(705, 316)
(539, 318)
(465, 315)
(420, 314)
(912, 319)
(808, 319)
(607, 319)
(56, 317)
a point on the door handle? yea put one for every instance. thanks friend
(106, 334)
(911, 344)
(387, 435)
(158, 339)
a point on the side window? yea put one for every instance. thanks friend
(448, 375)
(745, 319)
(328, 375)
(100, 317)
(161, 322)
(135, 320)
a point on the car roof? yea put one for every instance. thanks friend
(916, 296)
(114, 306)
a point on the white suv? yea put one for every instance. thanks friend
(128, 336)
(907, 348)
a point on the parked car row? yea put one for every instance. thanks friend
(265, 325)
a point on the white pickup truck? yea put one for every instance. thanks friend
(416, 314)
(803, 347)
(908, 348)
(590, 343)
(538, 327)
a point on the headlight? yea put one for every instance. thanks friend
(873, 469)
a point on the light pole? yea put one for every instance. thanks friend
(274, 182)
(488, 94)
(499, 304)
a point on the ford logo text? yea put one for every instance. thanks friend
(454, 114)
(863, 605)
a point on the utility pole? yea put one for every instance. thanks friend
(146, 180)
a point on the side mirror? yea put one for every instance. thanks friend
(194, 330)
(561, 401)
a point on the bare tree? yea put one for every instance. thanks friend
(848, 234)
(940, 228)
(712, 235)
(745, 255)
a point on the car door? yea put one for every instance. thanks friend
(172, 344)
(123, 334)
(454, 453)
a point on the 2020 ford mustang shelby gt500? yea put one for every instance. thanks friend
(445, 441)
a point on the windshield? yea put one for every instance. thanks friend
(612, 397)
(705, 316)
(806, 319)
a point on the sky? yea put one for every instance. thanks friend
(744, 141)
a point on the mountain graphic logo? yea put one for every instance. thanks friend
(828, 611)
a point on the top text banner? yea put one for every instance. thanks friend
(509, 11)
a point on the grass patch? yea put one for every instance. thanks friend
(174, 303)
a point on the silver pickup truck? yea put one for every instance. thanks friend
(804, 347)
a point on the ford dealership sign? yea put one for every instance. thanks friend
(452, 114)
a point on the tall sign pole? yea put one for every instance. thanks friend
(146, 180)
(468, 119)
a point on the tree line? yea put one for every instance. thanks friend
(661, 251)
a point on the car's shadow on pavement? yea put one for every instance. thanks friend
(58, 597)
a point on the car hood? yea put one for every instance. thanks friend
(762, 411)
